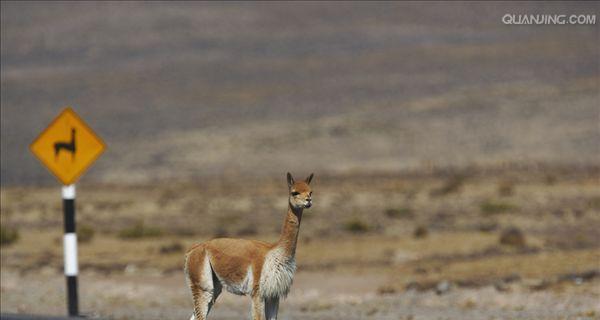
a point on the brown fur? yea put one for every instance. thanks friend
(230, 258)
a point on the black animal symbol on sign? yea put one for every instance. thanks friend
(67, 146)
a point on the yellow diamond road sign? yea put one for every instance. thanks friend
(67, 147)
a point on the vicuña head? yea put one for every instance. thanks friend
(300, 192)
(262, 270)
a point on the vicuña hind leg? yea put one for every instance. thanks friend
(203, 283)
(203, 302)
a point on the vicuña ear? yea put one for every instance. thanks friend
(290, 179)
(309, 179)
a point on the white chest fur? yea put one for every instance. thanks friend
(277, 274)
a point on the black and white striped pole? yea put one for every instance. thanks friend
(70, 248)
(67, 147)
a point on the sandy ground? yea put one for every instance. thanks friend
(359, 254)
(315, 295)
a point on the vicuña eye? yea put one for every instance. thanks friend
(295, 193)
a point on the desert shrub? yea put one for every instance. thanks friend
(594, 203)
(356, 225)
(487, 226)
(85, 233)
(550, 179)
(399, 213)
(452, 185)
(420, 232)
(139, 230)
(386, 289)
(8, 235)
(174, 247)
(506, 188)
(513, 237)
(491, 207)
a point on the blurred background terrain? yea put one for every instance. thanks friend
(456, 158)
(325, 87)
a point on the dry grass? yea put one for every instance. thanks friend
(140, 230)
(547, 265)
(491, 207)
(356, 225)
(350, 229)
(8, 235)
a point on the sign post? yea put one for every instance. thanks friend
(67, 147)
(70, 249)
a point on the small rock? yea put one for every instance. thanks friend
(488, 226)
(131, 269)
(171, 248)
(513, 277)
(386, 289)
(442, 287)
(412, 286)
(402, 256)
(469, 304)
(501, 286)
(512, 237)
(420, 270)
(536, 284)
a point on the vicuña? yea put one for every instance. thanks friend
(262, 270)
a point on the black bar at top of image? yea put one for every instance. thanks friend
(73, 304)
(69, 218)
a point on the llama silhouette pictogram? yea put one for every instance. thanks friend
(67, 146)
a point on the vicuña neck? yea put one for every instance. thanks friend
(289, 232)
